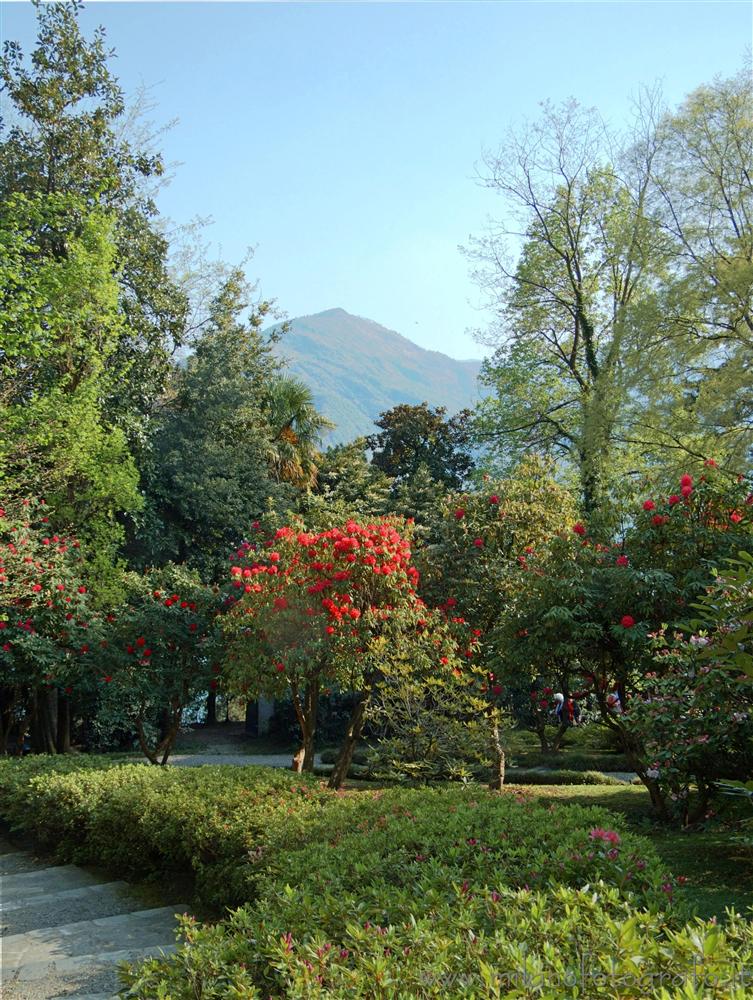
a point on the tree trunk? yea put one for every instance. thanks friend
(303, 760)
(352, 736)
(211, 719)
(497, 774)
(44, 720)
(63, 741)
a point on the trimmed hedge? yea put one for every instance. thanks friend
(142, 821)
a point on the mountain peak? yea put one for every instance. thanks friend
(357, 369)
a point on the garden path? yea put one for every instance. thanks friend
(64, 928)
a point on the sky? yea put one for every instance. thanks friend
(343, 141)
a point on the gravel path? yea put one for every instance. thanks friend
(238, 759)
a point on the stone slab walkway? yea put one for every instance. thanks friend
(64, 929)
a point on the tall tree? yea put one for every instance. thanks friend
(60, 326)
(631, 285)
(575, 323)
(206, 472)
(67, 134)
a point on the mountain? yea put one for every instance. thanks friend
(357, 369)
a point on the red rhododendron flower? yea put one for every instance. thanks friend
(686, 480)
(648, 505)
(735, 517)
(494, 499)
(459, 513)
(627, 621)
(622, 561)
(710, 463)
(478, 542)
(579, 529)
(674, 499)
(686, 491)
(657, 520)
(141, 641)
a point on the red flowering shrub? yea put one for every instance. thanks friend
(47, 641)
(163, 647)
(329, 607)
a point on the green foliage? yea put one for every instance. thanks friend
(345, 476)
(493, 944)
(46, 642)
(205, 470)
(60, 325)
(624, 322)
(163, 648)
(71, 135)
(725, 616)
(414, 436)
(138, 821)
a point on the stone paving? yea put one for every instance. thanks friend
(64, 929)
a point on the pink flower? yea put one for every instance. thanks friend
(608, 836)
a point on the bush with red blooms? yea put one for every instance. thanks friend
(595, 611)
(163, 649)
(47, 641)
(333, 607)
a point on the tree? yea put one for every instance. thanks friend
(60, 326)
(482, 547)
(205, 471)
(633, 269)
(334, 606)
(704, 202)
(296, 429)
(163, 649)
(68, 136)
(606, 614)
(416, 436)
(575, 330)
(346, 476)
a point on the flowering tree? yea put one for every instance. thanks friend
(334, 606)
(164, 648)
(46, 640)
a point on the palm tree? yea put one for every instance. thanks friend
(296, 431)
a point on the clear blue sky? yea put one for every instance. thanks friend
(341, 139)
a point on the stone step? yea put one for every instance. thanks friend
(27, 886)
(75, 978)
(107, 899)
(14, 861)
(37, 950)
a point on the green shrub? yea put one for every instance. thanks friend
(512, 943)
(142, 821)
